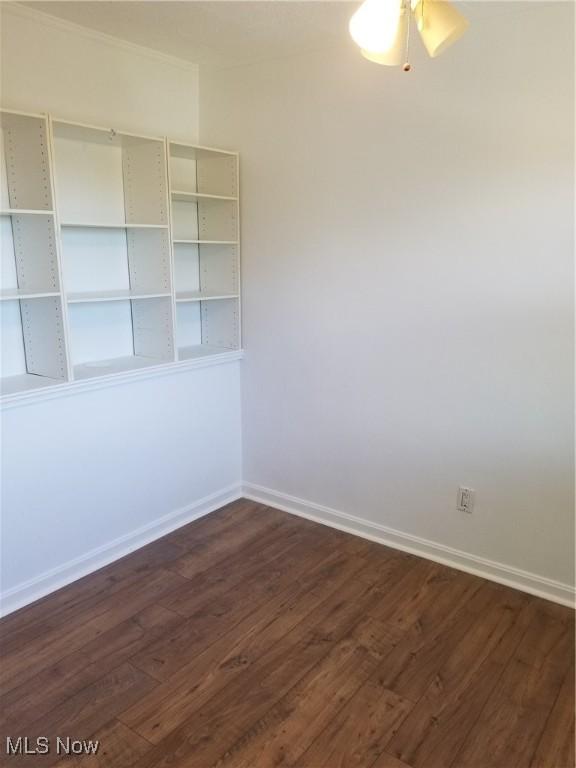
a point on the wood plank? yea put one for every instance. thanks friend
(508, 731)
(119, 747)
(224, 717)
(357, 735)
(56, 683)
(287, 730)
(26, 661)
(214, 727)
(427, 601)
(556, 745)
(217, 612)
(224, 522)
(65, 604)
(423, 651)
(252, 532)
(81, 715)
(476, 652)
(225, 573)
(232, 712)
(262, 554)
(388, 761)
(172, 702)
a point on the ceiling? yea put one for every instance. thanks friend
(227, 33)
(214, 34)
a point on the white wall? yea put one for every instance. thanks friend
(51, 65)
(86, 476)
(82, 472)
(407, 244)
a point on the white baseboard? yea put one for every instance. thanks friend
(431, 550)
(59, 577)
(64, 574)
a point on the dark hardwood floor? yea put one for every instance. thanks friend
(252, 639)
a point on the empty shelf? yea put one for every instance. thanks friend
(191, 196)
(203, 296)
(201, 350)
(88, 296)
(109, 225)
(10, 294)
(24, 382)
(114, 365)
(195, 151)
(27, 211)
(205, 242)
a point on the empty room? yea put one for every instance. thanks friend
(287, 384)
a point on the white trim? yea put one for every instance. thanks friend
(94, 34)
(50, 581)
(75, 569)
(39, 116)
(67, 388)
(431, 550)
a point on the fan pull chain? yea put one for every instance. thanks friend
(407, 66)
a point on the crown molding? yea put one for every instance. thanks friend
(69, 26)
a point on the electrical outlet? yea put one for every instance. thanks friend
(465, 502)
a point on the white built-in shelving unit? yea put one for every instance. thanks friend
(119, 252)
(33, 320)
(205, 231)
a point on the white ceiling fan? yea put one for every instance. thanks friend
(382, 28)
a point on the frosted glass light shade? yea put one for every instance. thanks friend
(394, 56)
(439, 24)
(374, 25)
